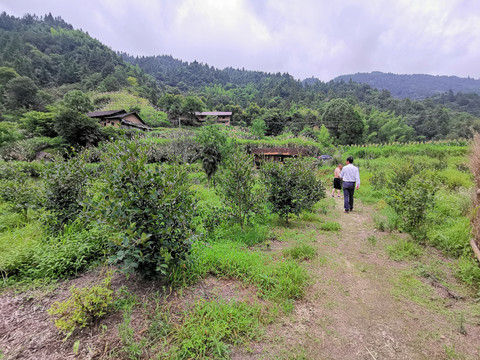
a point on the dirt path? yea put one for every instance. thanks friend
(362, 305)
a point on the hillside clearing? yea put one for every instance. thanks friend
(360, 305)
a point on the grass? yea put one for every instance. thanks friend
(330, 226)
(210, 326)
(300, 252)
(407, 286)
(278, 280)
(404, 250)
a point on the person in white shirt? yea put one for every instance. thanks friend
(351, 181)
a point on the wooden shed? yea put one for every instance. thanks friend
(276, 154)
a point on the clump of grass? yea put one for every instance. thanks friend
(372, 240)
(330, 226)
(300, 252)
(131, 347)
(210, 326)
(404, 250)
(277, 280)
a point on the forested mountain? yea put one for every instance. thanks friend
(48, 57)
(43, 59)
(415, 87)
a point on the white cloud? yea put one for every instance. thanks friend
(305, 37)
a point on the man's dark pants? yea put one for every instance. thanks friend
(348, 190)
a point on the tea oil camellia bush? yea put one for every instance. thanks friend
(239, 189)
(66, 183)
(153, 207)
(292, 186)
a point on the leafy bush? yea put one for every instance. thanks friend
(83, 306)
(152, 206)
(238, 188)
(411, 201)
(65, 189)
(22, 194)
(292, 187)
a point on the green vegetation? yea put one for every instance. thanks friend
(142, 201)
(210, 326)
(82, 306)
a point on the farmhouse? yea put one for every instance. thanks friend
(276, 154)
(219, 117)
(119, 118)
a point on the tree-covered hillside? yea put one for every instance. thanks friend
(415, 87)
(41, 58)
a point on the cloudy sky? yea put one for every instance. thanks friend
(321, 38)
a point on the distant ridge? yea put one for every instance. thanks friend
(416, 86)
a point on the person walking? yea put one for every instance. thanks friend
(351, 181)
(337, 183)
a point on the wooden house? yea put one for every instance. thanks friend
(276, 154)
(119, 119)
(219, 117)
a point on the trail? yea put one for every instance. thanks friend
(362, 305)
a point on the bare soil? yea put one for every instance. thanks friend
(360, 305)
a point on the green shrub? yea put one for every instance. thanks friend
(238, 188)
(65, 189)
(404, 250)
(22, 194)
(83, 306)
(411, 201)
(292, 187)
(209, 326)
(153, 207)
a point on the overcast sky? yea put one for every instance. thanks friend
(321, 38)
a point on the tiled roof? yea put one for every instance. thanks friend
(279, 151)
(95, 114)
(214, 113)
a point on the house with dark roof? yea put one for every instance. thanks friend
(219, 117)
(276, 154)
(120, 119)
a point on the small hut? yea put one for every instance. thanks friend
(276, 154)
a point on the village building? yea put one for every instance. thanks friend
(276, 154)
(119, 119)
(219, 117)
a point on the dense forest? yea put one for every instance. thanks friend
(287, 104)
(52, 74)
(416, 86)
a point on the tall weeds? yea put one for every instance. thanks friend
(475, 168)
